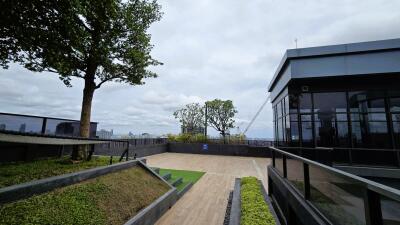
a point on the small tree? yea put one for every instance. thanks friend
(191, 117)
(95, 40)
(220, 115)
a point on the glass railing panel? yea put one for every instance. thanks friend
(62, 127)
(378, 157)
(23, 124)
(279, 162)
(341, 156)
(390, 211)
(340, 200)
(295, 173)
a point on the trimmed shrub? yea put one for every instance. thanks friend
(254, 210)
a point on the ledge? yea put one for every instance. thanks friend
(155, 210)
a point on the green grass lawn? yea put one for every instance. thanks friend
(21, 172)
(188, 176)
(110, 199)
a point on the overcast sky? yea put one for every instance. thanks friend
(210, 49)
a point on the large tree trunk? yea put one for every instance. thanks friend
(81, 152)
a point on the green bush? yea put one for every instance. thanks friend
(198, 138)
(171, 137)
(254, 210)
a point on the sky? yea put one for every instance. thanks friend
(210, 49)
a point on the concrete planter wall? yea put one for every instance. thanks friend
(220, 149)
(155, 210)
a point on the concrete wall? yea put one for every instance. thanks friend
(220, 149)
(140, 150)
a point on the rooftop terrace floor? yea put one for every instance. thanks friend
(205, 203)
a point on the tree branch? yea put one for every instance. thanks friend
(103, 81)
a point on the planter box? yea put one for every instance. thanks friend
(25, 190)
(235, 214)
(146, 216)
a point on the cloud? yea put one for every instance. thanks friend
(210, 49)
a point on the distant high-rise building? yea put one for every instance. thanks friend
(105, 134)
(22, 128)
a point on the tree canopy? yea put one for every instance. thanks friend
(220, 115)
(105, 39)
(191, 117)
(96, 40)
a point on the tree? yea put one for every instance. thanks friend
(95, 40)
(191, 117)
(220, 115)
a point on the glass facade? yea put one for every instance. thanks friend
(349, 119)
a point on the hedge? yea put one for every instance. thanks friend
(254, 210)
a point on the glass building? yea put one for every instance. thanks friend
(338, 96)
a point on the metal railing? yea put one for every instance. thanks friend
(336, 196)
(349, 156)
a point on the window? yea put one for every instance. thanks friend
(395, 115)
(369, 119)
(330, 119)
(305, 103)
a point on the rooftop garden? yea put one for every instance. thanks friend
(21, 172)
(110, 199)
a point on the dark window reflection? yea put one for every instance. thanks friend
(293, 103)
(305, 103)
(306, 131)
(331, 127)
(62, 127)
(369, 120)
(21, 123)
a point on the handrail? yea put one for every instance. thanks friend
(39, 117)
(370, 185)
(59, 136)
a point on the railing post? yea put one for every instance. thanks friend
(273, 158)
(127, 150)
(350, 157)
(44, 124)
(373, 211)
(284, 166)
(307, 186)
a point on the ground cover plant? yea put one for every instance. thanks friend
(20, 172)
(254, 210)
(110, 199)
(186, 175)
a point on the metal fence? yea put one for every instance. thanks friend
(336, 196)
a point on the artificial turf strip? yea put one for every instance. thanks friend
(21, 172)
(110, 199)
(254, 210)
(187, 175)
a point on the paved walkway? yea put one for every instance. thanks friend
(205, 203)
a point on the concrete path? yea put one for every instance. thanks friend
(206, 201)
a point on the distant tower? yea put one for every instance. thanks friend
(22, 128)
